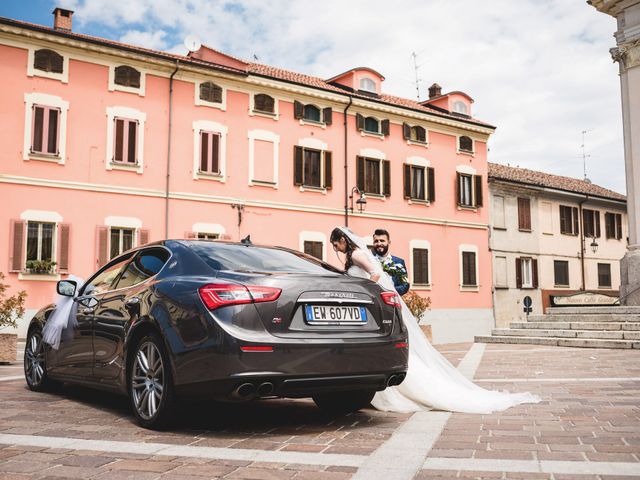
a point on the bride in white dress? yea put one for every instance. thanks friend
(431, 382)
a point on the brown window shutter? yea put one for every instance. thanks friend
(18, 230)
(144, 236)
(52, 140)
(478, 180)
(328, 171)
(576, 220)
(407, 180)
(518, 273)
(406, 131)
(327, 115)
(216, 93)
(458, 192)
(386, 178)
(534, 272)
(608, 230)
(63, 248)
(360, 173)
(215, 153)
(618, 226)
(359, 122)
(40, 60)
(597, 221)
(131, 147)
(431, 184)
(297, 165)
(385, 127)
(38, 129)
(298, 109)
(118, 149)
(57, 63)
(102, 236)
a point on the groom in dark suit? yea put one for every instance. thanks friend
(381, 243)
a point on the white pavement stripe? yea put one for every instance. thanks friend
(110, 446)
(534, 466)
(403, 454)
(471, 361)
(567, 380)
(12, 378)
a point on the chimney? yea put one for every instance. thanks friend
(62, 19)
(435, 90)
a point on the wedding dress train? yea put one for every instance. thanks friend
(432, 382)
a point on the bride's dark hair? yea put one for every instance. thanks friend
(335, 236)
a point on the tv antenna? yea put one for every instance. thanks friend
(584, 155)
(416, 67)
(192, 43)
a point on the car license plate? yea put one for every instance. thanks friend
(332, 315)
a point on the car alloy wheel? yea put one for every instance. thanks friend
(35, 370)
(150, 383)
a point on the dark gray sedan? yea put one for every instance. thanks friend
(226, 321)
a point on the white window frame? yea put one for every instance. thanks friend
(315, 144)
(31, 99)
(264, 136)
(134, 241)
(424, 144)
(377, 134)
(129, 114)
(113, 86)
(468, 170)
(466, 152)
(526, 272)
(213, 127)
(371, 83)
(208, 229)
(131, 223)
(420, 162)
(34, 72)
(461, 107)
(469, 248)
(374, 154)
(276, 107)
(198, 101)
(308, 236)
(425, 245)
(41, 216)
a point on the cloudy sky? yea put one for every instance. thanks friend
(539, 70)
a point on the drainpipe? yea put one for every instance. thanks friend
(586, 198)
(346, 165)
(166, 193)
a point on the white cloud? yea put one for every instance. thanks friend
(538, 70)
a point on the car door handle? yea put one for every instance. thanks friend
(88, 310)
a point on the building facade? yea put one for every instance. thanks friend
(108, 146)
(552, 236)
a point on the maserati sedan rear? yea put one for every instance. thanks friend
(226, 321)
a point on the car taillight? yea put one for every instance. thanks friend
(391, 298)
(225, 294)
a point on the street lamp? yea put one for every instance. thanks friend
(361, 202)
(594, 245)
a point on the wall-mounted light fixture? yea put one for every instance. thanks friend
(361, 202)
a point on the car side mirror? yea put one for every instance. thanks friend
(66, 288)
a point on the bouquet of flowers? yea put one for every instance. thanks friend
(396, 271)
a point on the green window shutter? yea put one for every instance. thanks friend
(297, 165)
(386, 178)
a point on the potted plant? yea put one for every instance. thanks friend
(40, 266)
(11, 309)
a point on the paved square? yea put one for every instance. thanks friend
(588, 426)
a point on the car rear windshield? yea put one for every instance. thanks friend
(253, 259)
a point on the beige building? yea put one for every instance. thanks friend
(552, 237)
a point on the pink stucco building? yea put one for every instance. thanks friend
(108, 145)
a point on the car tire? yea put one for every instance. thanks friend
(150, 383)
(344, 402)
(35, 368)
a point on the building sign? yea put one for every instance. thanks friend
(586, 298)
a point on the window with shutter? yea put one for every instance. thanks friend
(45, 130)
(48, 61)
(18, 228)
(591, 223)
(40, 244)
(312, 172)
(418, 134)
(312, 168)
(465, 190)
(210, 92)
(372, 176)
(209, 152)
(206, 236)
(561, 273)
(314, 249)
(569, 220)
(524, 214)
(469, 269)
(125, 141)
(371, 125)
(311, 113)
(418, 182)
(263, 103)
(327, 115)
(526, 272)
(421, 266)
(126, 76)
(120, 240)
(613, 225)
(604, 275)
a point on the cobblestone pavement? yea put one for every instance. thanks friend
(587, 426)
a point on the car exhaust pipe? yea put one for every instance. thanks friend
(396, 379)
(265, 389)
(245, 390)
(391, 381)
(400, 378)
